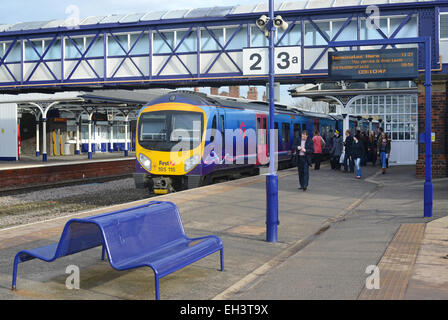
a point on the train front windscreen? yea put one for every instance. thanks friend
(163, 130)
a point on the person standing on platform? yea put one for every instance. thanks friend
(357, 154)
(383, 150)
(371, 147)
(319, 144)
(336, 151)
(304, 149)
(365, 142)
(348, 159)
(378, 137)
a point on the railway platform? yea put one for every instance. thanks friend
(30, 171)
(328, 235)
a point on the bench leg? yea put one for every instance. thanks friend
(103, 252)
(14, 273)
(157, 288)
(222, 259)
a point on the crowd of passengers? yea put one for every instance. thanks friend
(353, 153)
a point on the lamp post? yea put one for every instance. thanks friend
(272, 178)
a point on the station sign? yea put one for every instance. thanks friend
(378, 64)
(286, 60)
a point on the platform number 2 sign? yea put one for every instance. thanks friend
(286, 61)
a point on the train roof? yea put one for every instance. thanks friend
(199, 98)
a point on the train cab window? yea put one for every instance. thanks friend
(286, 133)
(304, 127)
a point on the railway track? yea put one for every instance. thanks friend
(36, 203)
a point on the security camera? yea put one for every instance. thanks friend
(262, 22)
(280, 23)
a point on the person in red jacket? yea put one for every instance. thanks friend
(319, 144)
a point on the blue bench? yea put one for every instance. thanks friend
(150, 235)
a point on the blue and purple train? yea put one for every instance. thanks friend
(187, 139)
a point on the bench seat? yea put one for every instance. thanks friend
(174, 256)
(150, 235)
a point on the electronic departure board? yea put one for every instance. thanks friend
(373, 64)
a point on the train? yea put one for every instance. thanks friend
(187, 139)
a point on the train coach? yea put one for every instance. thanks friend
(187, 139)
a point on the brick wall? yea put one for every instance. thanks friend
(63, 173)
(439, 118)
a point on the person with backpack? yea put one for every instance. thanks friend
(319, 144)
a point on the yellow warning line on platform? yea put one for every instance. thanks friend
(396, 265)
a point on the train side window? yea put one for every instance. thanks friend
(297, 131)
(286, 133)
(214, 126)
(221, 118)
(276, 130)
(304, 127)
(265, 130)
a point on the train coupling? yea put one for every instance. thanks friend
(163, 185)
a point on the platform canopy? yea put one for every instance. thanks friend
(104, 101)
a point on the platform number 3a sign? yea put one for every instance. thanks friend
(256, 60)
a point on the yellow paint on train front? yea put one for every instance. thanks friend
(167, 162)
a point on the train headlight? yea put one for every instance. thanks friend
(145, 161)
(191, 163)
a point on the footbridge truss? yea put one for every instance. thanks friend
(201, 47)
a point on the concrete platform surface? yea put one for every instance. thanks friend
(336, 208)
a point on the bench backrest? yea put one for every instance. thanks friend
(128, 233)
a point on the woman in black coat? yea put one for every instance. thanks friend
(357, 154)
(304, 149)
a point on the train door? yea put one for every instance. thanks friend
(297, 132)
(222, 132)
(262, 134)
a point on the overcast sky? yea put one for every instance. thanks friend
(43, 10)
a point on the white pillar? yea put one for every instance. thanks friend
(37, 137)
(90, 137)
(111, 137)
(44, 139)
(346, 124)
(77, 151)
(126, 122)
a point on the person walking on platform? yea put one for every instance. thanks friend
(365, 141)
(336, 151)
(383, 150)
(371, 147)
(378, 137)
(319, 144)
(348, 159)
(304, 149)
(357, 154)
